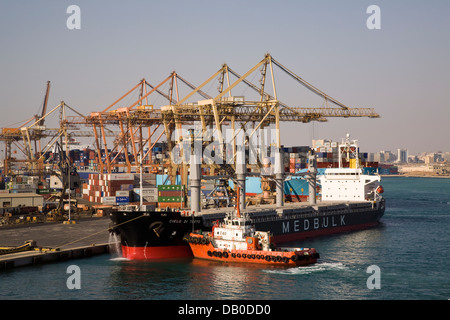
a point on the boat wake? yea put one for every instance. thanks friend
(119, 259)
(318, 267)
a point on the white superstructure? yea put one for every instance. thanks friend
(237, 233)
(348, 184)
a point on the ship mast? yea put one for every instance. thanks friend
(346, 147)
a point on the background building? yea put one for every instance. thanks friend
(402, 155)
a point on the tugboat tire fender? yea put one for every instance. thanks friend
(210, 253)
(225, 254)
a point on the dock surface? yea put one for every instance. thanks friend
(87, 237)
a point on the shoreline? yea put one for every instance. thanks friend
(414, 176)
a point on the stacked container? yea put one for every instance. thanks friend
(171, 196)
(102, 188)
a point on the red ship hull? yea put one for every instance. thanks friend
(156, 253)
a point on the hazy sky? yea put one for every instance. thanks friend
(401, 70)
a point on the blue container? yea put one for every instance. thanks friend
(122, 200)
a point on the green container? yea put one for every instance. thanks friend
(170, 187)
(171, 199)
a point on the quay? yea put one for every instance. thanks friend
(55, 242)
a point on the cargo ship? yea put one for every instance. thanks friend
(158, 234)
(349, 199)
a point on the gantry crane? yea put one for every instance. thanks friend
(268, 109)
(216, 112)
(15, 136)
(132, 122)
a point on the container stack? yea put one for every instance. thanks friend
(102, 188)
(387, 169)
(149, 194)
(295, 158)
(327, 153)
(171, 196)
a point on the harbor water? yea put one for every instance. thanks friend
(406, 258)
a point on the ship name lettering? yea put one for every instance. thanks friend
(316, 223)
(285, 227)
(306, 224)
(296, 228)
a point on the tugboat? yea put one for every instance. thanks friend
(236, 240)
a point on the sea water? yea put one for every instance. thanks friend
(409, 252)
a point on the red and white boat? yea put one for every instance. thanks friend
(236, 240)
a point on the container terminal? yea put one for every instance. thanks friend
(55, 178)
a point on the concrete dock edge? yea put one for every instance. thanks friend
(30, 258)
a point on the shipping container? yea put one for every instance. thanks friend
(122, 200)
(146, 198)
(169, 193)
(173, 205)
(171, 199)
(170, 187)
(146, 191)
(120, 176)
(109, 200)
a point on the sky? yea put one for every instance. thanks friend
(401, 70)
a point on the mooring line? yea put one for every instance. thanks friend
(100, 231)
